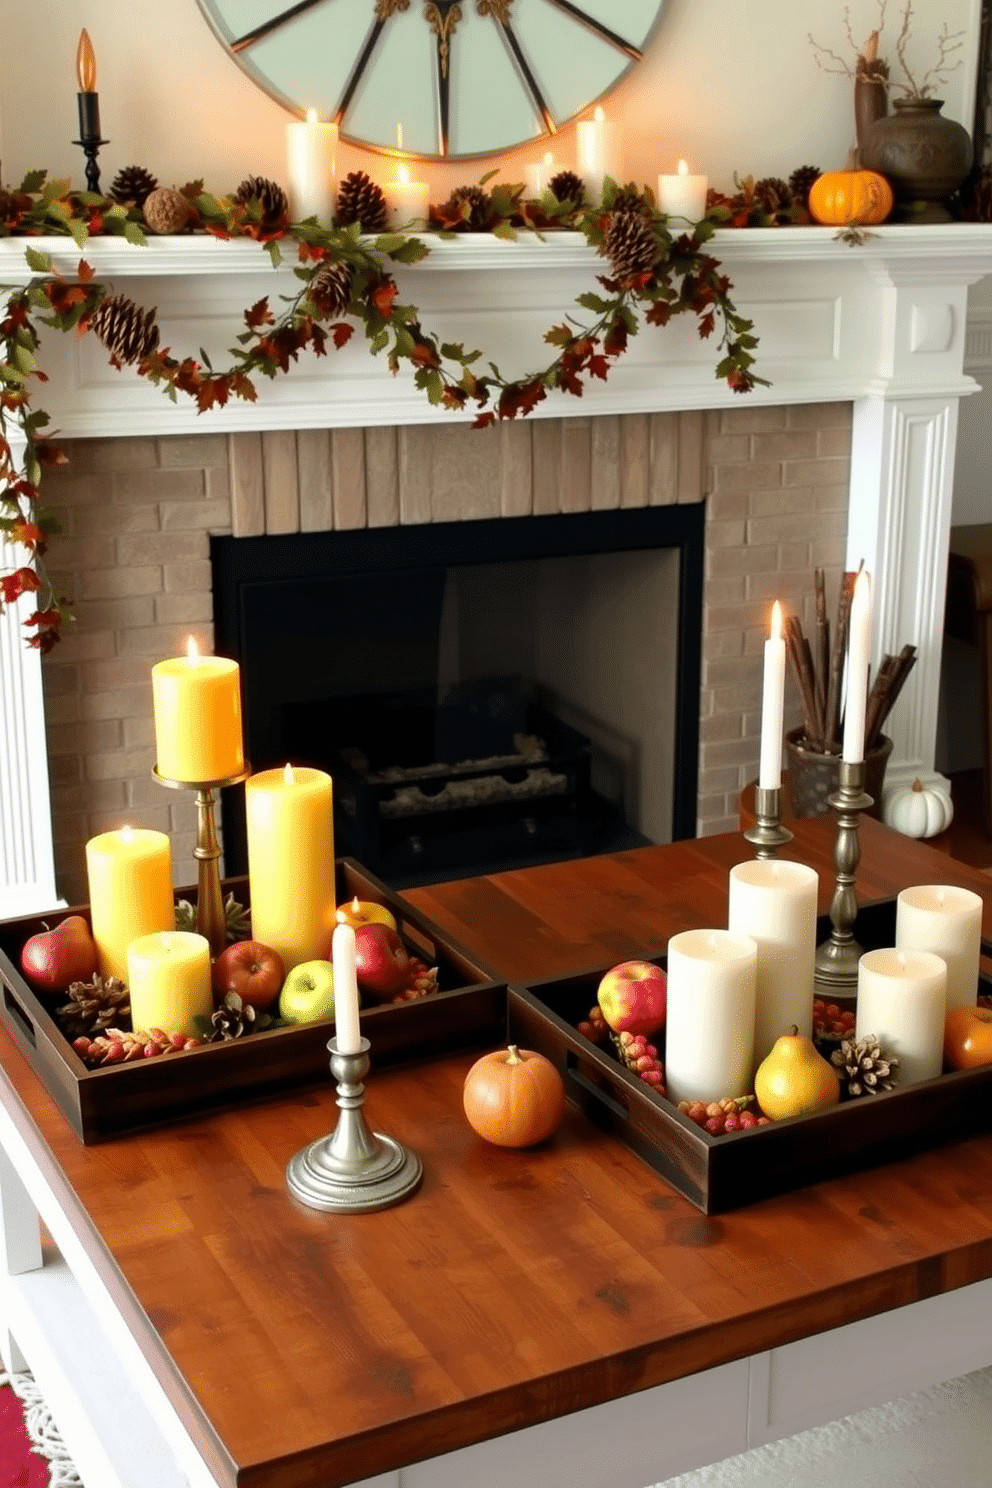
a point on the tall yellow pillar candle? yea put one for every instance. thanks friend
(130, 889)
(197, 702)
(290, 823)
(169, 981)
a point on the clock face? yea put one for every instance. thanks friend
(439, 77)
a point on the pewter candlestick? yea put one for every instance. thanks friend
(353, 1170)
(767, 834)
(836, 967)
(210, 918)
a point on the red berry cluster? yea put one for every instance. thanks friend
(642, 1059)
(830, 1021)
(423, 981)
(728, 1115)
(594, 1027)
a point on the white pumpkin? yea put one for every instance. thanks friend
(917, 810)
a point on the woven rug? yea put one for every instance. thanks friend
(17, 1469)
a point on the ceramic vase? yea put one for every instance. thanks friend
(924, 156)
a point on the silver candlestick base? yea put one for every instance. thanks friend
(835, 974)
(353, 1169)
(767, 834)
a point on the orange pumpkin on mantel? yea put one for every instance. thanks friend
(513, 1097)
(846, 197)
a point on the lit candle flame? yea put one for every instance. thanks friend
(776, 631)
(126, 834)
(311, 116)
(192, 651)
(86, 64)
(403, 175)
(399, 136)
(355, 906)
(599, 116)
(683, 168)
(288, 776)
(549, 159)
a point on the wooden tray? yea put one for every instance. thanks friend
(721, 1173)
(468, 1012)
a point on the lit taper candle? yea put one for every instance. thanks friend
(347, 1031)
(773, 706)
(853, 748)
(88, 99)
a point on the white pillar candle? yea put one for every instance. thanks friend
(346, 1026)
(311, 168)
(902, 997)
(853, 747)
(596, 154)
(772, 705)
(775, 904)
(538, 175)
(168, 978)
(948, 921)
(407, 200)
(683, 195)
(709, 1029)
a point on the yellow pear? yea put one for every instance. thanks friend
(794, 1079)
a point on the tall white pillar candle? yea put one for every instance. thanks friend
(772, 705)
(902, 997)
(683, 195)
(947, 921)
(709, 1029)
(853, 747)
(346, 1027)
(596, 154)
(775, 904)
(537, 176)
(311, 168)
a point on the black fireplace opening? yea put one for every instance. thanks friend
(485, 694)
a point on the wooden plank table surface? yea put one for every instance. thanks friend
(307, 1349)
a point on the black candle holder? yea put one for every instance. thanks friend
(91, 149)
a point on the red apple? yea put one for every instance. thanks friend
(381, 959)
(633, 997)
(53, 958)
(252, 970)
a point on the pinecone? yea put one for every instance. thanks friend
(471, 206)
(567, 186)
(629, 199)
(232, 1019)
(330, 288)
(773, 194)
(236, 916)
(271, 198)
(361, 200)
(166, 211)
(864, 1069)
(132, 184)
(94, 1005)
(630, 245)
(800, 182)
(128, 332)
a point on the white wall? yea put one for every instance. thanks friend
(732, 85)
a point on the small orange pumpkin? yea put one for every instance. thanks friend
(513, 1097)
(840, 198)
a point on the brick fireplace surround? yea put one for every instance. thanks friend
(847, 456)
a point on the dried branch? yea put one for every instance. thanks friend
(948, 42)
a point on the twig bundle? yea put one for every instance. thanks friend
(819, 673)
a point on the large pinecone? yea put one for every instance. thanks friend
(94, 1005)
(232, 1019)
(270, 197)
(128, 332)
(330, 288)
(773, 195)
(361, 200)
(567, 186)
(470, 205)
(132, 184)
(630, 245)
(800, 182)
(864, 1068)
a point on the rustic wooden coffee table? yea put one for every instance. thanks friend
(551, 1317)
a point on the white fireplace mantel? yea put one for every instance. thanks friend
(882, 324)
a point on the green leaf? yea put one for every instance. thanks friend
(134, 233)
(275, 253)
(412, 252)
(432, 383)
(52, 189)
(488, 176)
(594, 302)
(38, 262)
(24, 359)
(404, 342)
(505, 231)
(379, 342)
(453, 351)
(33, 182)
(389, 242)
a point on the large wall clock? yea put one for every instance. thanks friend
(450, 77)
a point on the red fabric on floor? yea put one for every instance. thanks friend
(20, 1467)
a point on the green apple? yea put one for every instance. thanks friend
(307, 994)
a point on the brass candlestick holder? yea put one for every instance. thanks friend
(767, 834)
(835, 976)
(353, 1170)
(210, 918)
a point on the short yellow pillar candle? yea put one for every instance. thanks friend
(290, 821)
(130, 887)
(169, 981)
(197, 701)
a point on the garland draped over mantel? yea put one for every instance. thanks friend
(344, 281)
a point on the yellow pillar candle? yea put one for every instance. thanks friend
(130, 890)
(197, 702)
(290, 823)
(169, 981)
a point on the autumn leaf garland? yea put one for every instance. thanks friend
(345, 281)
